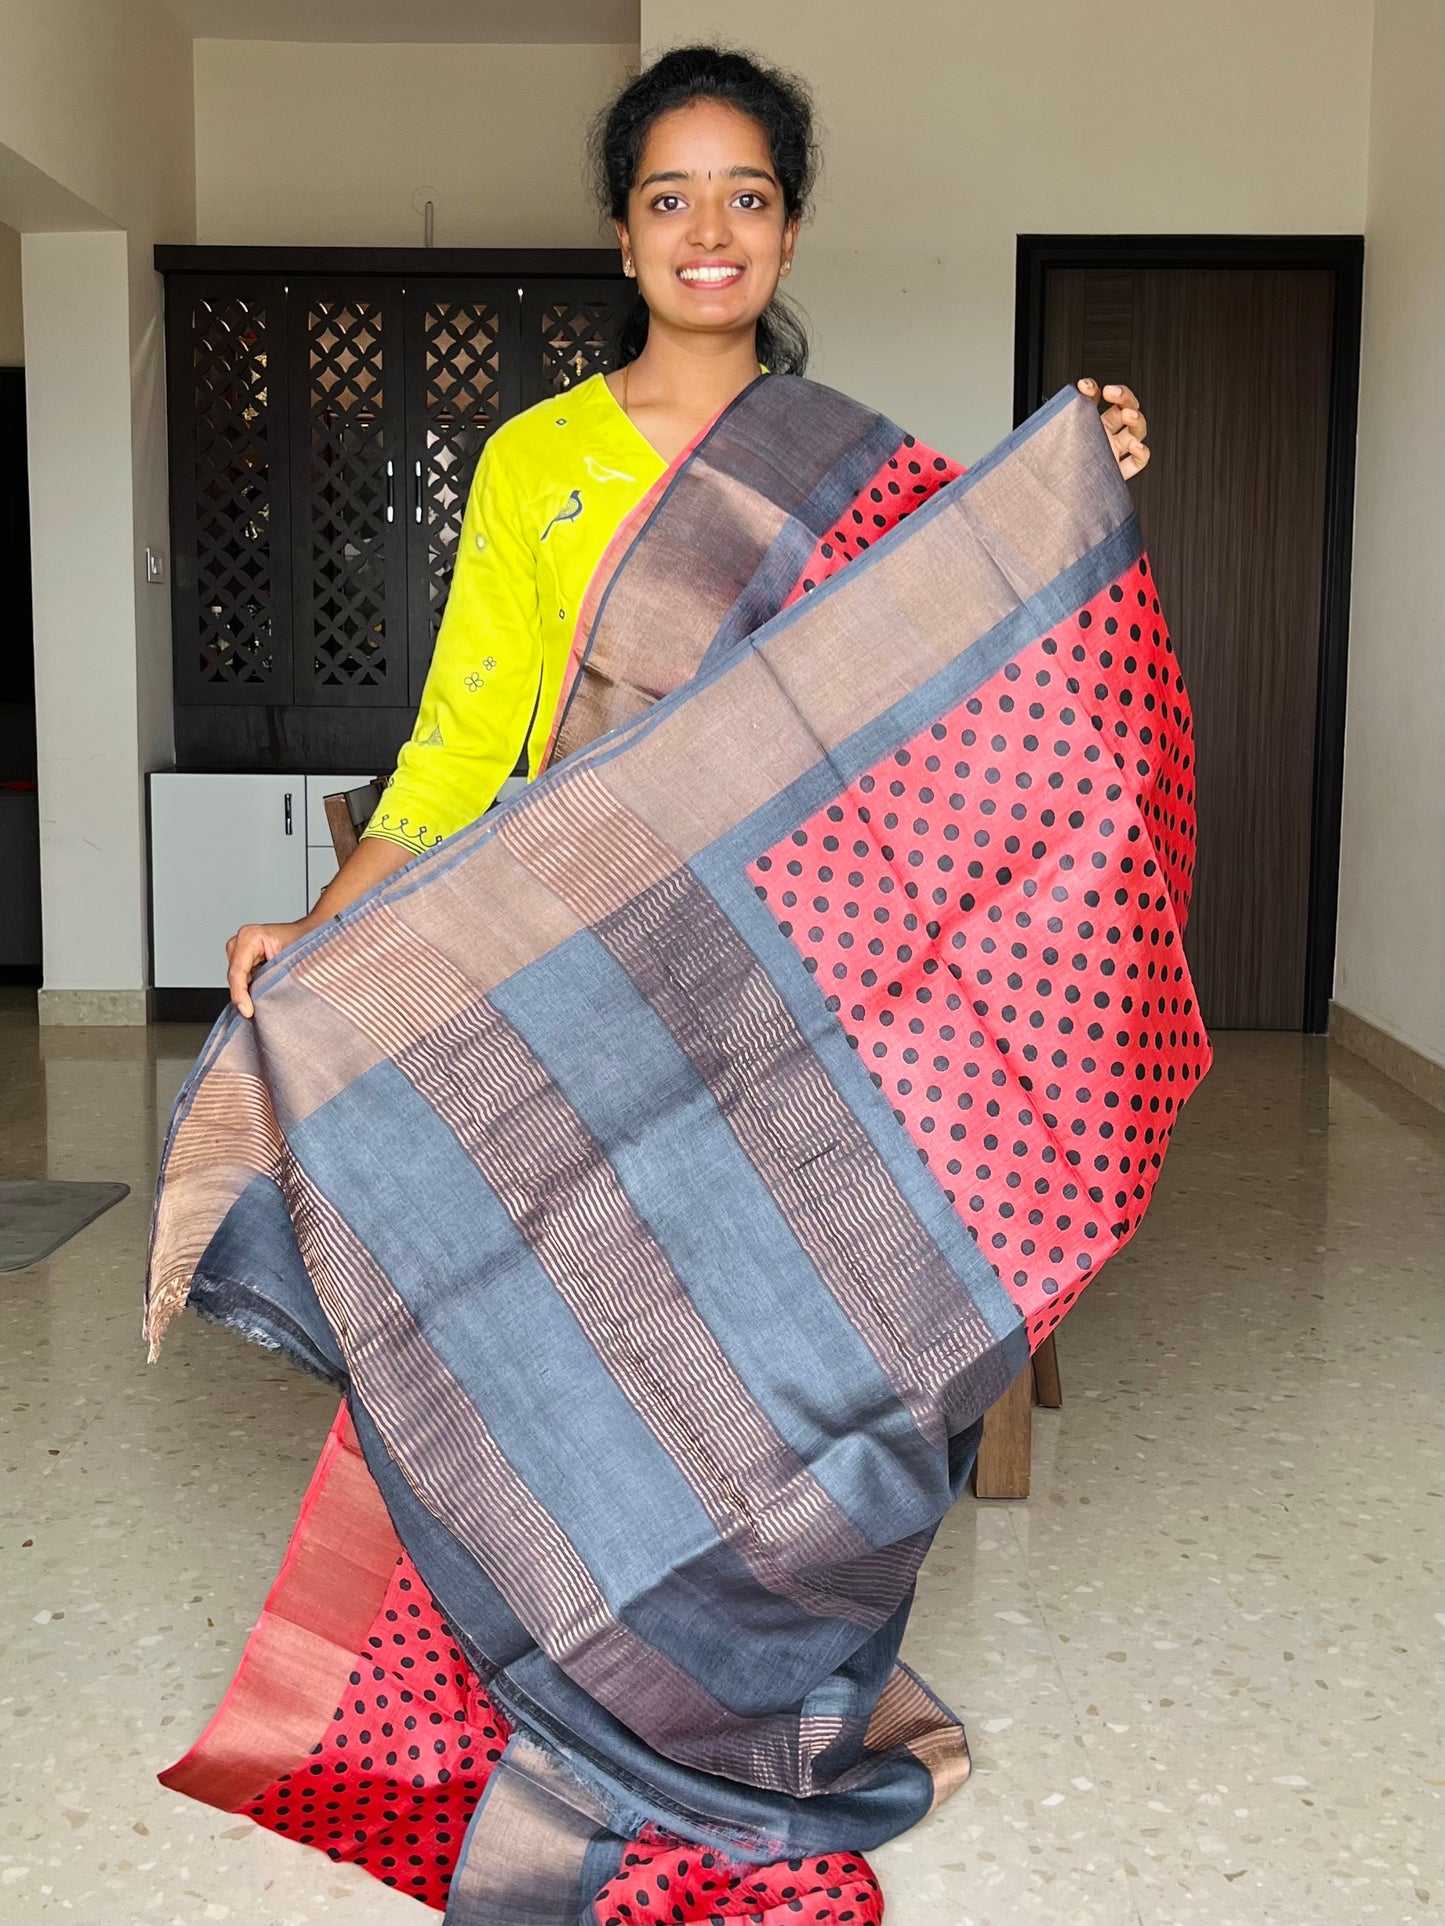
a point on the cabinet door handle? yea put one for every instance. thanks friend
(416, 490)
(390, 492)
(290, 816)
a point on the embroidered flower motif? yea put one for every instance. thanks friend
(473, 681)
(489, 662)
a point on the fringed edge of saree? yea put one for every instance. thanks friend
(301, 1652)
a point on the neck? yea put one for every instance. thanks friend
(696, 374)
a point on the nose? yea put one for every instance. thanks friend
(710, 226)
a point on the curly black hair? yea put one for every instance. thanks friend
(780, 105)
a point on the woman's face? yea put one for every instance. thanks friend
(706, 227)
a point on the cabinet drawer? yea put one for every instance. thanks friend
(225, 850)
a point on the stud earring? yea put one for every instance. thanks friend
(627, 267)
(787, 267)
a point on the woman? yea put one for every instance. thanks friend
(705, 165)
(674, 1740)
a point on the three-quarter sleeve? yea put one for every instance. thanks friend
(481, 691)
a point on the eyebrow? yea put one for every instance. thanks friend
(728, 174)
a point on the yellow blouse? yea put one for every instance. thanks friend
(549, 492)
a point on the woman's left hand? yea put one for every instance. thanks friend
(1123, 423)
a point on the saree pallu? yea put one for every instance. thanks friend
(672, 1168)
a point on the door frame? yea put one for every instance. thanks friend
(1342, 255)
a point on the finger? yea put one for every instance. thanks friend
(245, 955)
(1088, 388)
(1119, 418)
(1134, 463)
(236, 983)
(1115, 391)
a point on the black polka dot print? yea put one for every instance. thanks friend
(393, 1783)
(663, 1882)
(903, 483)
(994, 912)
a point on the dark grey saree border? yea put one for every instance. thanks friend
(781, 565)
(829, 490)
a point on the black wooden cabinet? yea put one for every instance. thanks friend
(326, 414)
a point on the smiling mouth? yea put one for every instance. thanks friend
(710, 277)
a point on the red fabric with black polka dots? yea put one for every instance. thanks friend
(903, 483)
(394, 1781)
(995, 913)
(662, 1882)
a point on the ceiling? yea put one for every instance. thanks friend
(547, 21)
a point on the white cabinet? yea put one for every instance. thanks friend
(227, 850)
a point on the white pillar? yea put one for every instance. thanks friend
(77, 305)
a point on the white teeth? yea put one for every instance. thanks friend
(709, 274)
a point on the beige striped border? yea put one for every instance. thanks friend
(907, 1715)
(227, 1137)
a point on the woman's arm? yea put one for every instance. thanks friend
(472, 728)
(256, 943)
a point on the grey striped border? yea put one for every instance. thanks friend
(450, 1460)
(860, 1234)
(471, 1067)
(529, 1145)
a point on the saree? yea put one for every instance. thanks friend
(670, 1170)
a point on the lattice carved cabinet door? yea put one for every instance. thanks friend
(568, 327)
(463, 378)
(230, 494)
(349, 492)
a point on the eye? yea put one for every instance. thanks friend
(660, 204)
(751, 194)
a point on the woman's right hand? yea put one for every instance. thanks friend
(370, 863)
(251, 946)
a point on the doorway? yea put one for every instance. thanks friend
(1244, 353)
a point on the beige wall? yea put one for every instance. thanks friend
(12, 324)
(325, 145)
(950, 129)
(1391, 962)
(96, 139)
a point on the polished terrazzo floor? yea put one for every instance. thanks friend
(1199, 1666)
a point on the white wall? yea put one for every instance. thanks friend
(325, 144)
(12, 325)
(1391, 958)
(950, 129)
(96, 138)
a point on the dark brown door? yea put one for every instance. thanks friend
(1233, 368)
(348, 493)
(230, 489)
(567, 332)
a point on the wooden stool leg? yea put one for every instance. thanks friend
(1002, 1469)
(1047, 1389)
